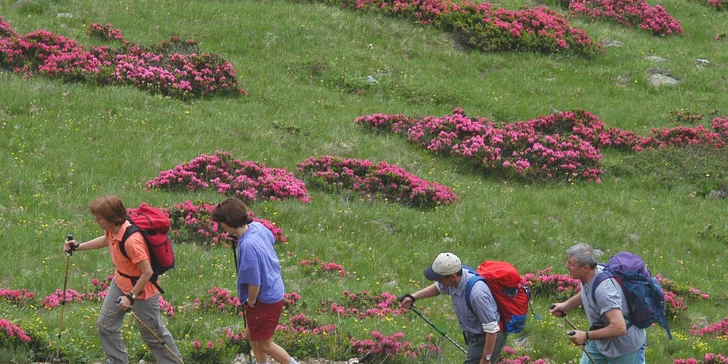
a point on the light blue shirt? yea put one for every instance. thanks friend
(258, 265)
(481, 299)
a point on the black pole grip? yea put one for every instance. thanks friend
(562, 314)
(69, 237)
(572, 333)
(406, 295)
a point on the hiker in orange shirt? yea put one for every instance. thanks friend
(139, 295)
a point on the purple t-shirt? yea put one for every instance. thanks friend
(259, 265)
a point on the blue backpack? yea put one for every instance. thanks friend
(644, 295)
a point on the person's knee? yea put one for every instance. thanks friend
(103, 330)
(265, 345)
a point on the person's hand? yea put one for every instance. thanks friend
(123, 303)
(406, 301)
(577, 337)
(70, 245)
(558, 309)
(250, 303)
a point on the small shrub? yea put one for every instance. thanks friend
(174, 68)
(193, 222)
(628, 12)
(246, 180)
(375, 180)
(487, 28)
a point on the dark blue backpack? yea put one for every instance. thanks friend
(644, 295)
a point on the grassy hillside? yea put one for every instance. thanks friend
(304, 66)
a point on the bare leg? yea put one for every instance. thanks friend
(267, 347)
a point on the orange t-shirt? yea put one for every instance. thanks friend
(136, 249)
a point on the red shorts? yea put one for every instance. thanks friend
(263, 319)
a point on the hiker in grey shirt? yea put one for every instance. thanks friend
(481, 329)
(610, 340)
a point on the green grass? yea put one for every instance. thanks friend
(303, 65)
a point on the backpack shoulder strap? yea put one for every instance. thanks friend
(129, 231)
(601, 277)
(122, 247)
(469, 287)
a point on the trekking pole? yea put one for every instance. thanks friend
(57, 359)
(118, 300)
(437, 329)
(572, 333)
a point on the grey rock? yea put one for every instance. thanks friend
(702, 62)
(622, 81)
(612, 43)
(449, 240)
(701, 322)
(390, 284)
(718, 194)
(659, 79)
(371, 80)
(656, 59)
(20, 3)
(387, 226)
(64, 15)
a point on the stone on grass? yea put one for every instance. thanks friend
(21, 3)
(718, 194)
(612, 43)
(658, 79)
(656, 59)
(64, 15)
(622, 80)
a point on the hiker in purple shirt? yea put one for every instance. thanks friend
(260, 285)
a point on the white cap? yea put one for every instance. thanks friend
(444, 265)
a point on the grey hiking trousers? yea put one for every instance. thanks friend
(109, 325)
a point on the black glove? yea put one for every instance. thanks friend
(406, 295)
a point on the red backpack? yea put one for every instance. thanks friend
(510, 295)
(154, 226)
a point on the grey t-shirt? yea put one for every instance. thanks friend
(609, 296)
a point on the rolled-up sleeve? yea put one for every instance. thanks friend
(481, 299)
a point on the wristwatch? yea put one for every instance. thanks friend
(131, 297)
(487, 357)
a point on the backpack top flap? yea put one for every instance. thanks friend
(624, 262)
(149, 219)
(501, 273)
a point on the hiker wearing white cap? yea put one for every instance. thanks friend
(480, 326)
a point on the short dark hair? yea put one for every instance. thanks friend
(232, 212)
(110, 208)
